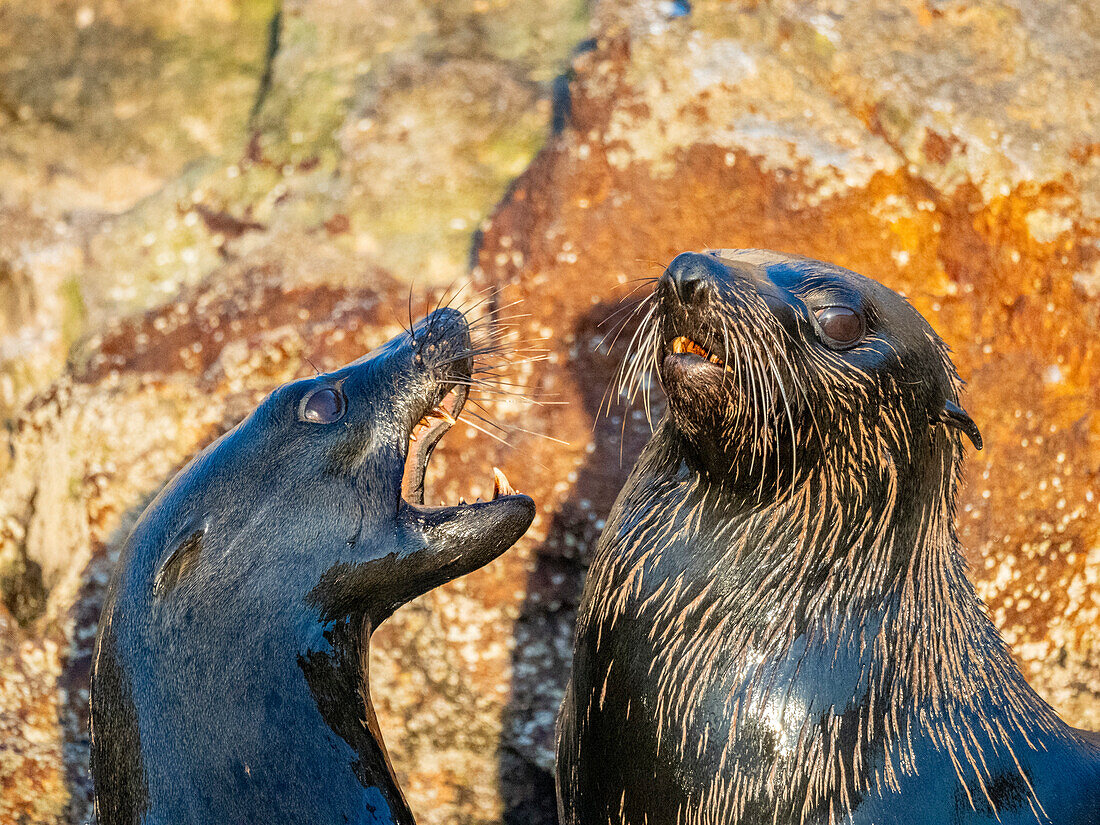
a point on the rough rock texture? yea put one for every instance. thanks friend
(949, 149)
(197, 200)
(946, 149)
(144, 145)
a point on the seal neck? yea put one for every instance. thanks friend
(869, 547)
(338, 676)
(853, 601)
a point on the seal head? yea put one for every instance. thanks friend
(230, 674)
(751, 356)
(776, 626)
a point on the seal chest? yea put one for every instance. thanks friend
(776, 625)
(229, 679)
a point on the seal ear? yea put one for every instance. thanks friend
(955, 416)
(186, 546)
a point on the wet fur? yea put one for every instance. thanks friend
(777, 626)
(229, 679)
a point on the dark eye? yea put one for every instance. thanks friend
(842, 327)
(323, 407)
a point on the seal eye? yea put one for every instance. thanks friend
(841, 326)
(323, 406)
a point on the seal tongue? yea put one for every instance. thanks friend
(422, 441)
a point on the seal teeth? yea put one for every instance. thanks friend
(424, 423)
(683, 344)
(439, 412)
(501, 485)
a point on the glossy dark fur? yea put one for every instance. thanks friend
(229, 681)
(777, 626)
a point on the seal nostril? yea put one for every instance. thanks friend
(689, 278)
(692, 288)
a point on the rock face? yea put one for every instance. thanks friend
(196, 201)
(155, 287)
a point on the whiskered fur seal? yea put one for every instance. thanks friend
(229, 680)
(777, 626)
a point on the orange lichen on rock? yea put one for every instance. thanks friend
(874, 136)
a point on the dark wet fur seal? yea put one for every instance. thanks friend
(229, 681)
(777, 626)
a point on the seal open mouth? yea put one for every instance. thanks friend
(682, 345)
(442, 414)
(424, 380)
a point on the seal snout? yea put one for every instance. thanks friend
(688, 290)
(691, 277)
(446, 363)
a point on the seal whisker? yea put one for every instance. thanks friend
(511, 395)
(802, 630)
(397, 320)
(790, 419)
(465, 420)
(628, 375)
(630, 378)
(628, 304)
(492, 369)
(629, 366)
(493, 381)
(443, 295)
(654, 349)
(411, 326)
(314, 503)
(616, 331)
(726, 348)
(807, 403)
(780, 349)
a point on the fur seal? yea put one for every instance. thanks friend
(229, 678)
(777, 626)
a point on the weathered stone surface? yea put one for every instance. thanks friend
(197, 200)
(897, 139)
(875, 136)
(31, 766)
(102, 103)
(156, 141)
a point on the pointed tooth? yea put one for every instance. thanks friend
(439, 412)
(501, 485)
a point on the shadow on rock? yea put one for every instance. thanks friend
(543, 652)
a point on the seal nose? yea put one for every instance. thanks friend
(691, 276)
